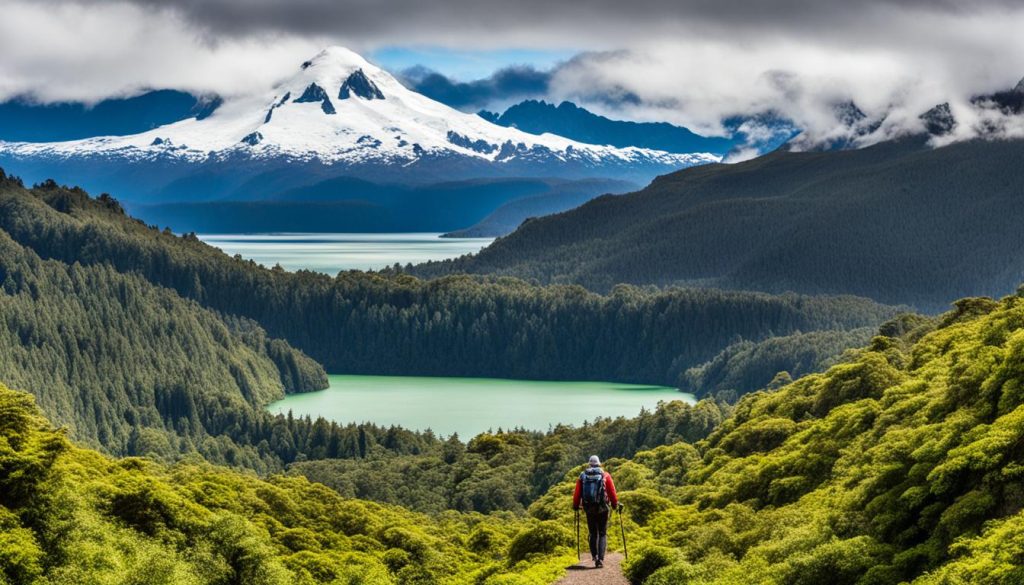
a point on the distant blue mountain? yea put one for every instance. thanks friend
(23, 121)
(569, 120)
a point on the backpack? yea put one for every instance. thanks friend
(592, 489)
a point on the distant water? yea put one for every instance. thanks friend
(470, 406)
(332, 253)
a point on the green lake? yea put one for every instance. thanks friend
(332, 253)
(469, 406)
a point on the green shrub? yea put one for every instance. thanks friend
(20, 556)
(541, 538)
(485, 539)
(676, 574)
(641, 505)
(646, 561)
(396, 559)
(406, 540)
(415, 575)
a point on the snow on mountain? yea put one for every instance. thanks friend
(341, 110)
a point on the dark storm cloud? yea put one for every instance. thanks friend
(372, 19)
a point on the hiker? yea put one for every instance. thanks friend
(595, 491)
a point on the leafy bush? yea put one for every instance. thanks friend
(645, 561)
(485, 540)
(395, 559)
(641, 505)
(539, 538)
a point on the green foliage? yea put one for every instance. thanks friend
(541, 538)
(134, 388)
(901, 464)
(134, 369)
(644, 504)
(746, 366)
(21, 559)
(485, 540)
(509, 470)
(646, 561)
(81, 517)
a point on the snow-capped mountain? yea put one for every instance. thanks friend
(338, 114)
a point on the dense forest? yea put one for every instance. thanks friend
(70, 515)
(507, 217)
(901, 464)
(744, 366)
(394, 323)
(900, 222)
(113, 357)
(506, 470)
(134, 369)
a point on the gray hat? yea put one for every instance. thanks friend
(595, 461)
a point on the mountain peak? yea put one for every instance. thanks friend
(336, 57)
(1020, 86)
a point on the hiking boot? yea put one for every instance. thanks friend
(598, 564)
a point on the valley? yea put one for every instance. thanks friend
(509, 287)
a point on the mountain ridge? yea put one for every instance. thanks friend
(862, 221)
(572, 121)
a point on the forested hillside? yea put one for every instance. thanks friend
(506, 470)
(899, 222)
(131, 367)
(744, 366)
(899, 465)
(134, 369)
(506, 218)
(392, 323)
(69, 515)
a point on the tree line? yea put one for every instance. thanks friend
(394, 323)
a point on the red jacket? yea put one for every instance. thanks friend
(609, 491)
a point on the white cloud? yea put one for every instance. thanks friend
(688, 61)
(696, 82)
(70, 52)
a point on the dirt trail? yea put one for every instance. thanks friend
(584, 573)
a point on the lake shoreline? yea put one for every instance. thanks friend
(331, 253)
(470, 406)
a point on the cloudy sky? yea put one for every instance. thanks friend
(691, 62)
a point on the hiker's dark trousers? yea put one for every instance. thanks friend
(597, 527)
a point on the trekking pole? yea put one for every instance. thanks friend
(622, 527)
(578, 556)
